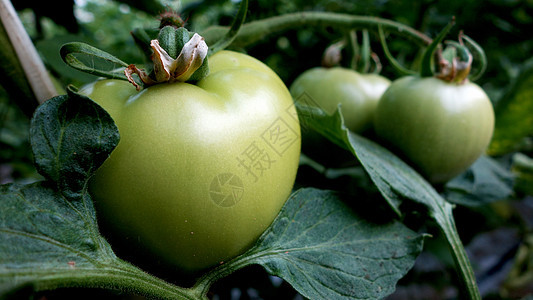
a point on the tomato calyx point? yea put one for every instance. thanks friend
(455, 62)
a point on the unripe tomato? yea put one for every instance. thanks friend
(441, 127)
(200, 170)
(325, 88)
(357, 93)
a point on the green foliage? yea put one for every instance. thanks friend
(333, 252)
(396, 181)
(51, 237)
(51, 229)
(68, 146)
(484, 182)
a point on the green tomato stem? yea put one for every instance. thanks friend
(365, 52)
(255, 31)
(205, 282)
(252, 256)
(233, 31)
(447, 224)
(394, 63)
(426, 69)
(353, 48)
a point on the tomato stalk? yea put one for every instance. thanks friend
(365, 53)
(427, 67)
(446, 222)
(256, 31)
(117, 275)
(233, 31)
(353, 48)
(395, 64)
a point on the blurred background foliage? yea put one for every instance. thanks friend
(499, 235)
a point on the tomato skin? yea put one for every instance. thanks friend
(357, 93)
(441, 127)
(200, 170)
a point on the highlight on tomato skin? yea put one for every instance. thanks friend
(440, 127)
(200, 170)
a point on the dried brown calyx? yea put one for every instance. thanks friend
(178, 55)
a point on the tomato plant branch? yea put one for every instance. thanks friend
(394, 63)
(427, 69)
(255, 31)
(353, 48)
(233, 31)
(447, 224)
(118, 276)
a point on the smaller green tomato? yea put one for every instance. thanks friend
(357, 93)
(441, 127)
(326, 88)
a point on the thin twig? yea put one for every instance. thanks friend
(31, 63)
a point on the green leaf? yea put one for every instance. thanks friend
(514, 114)
(92, 60)
(427, 63)
(484, 182)
(44, 235)
(395, 179)
(50, 242)
(328, 250)
(49, 50)
(71, 136)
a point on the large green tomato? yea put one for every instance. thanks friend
(441, 127)
(357, 93)
(200, 170)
